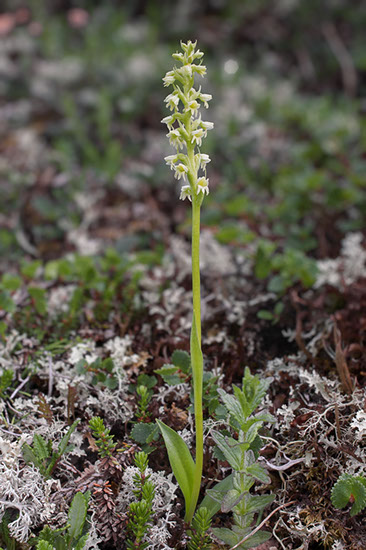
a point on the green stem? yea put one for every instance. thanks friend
(197, 369)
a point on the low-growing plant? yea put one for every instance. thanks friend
(41, 454)
(180, 370)
(103, 439)
(74, 535)
(240, 446)
(101, 370)
(140, 511)
(187, 129)
(199, 537)
(350, 490)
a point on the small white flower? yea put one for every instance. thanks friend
(205, 98)
(189, 47)
(180, 170)
(179, 56)
(186, 70)
(168, 120)
(200, 69)
(198, 54)
(169, 79)
(202, 185)
(203, 159)
(170, 160)
(185, 192)
(193, 106)
(172, 101)
(197, 136)
(175, 138)
(206, 125)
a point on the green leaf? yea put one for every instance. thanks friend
(77, 515)
(232, 405)
(82, 542)
(11, 282)
(44, 545)
(40, 447)
(259, 473)
(350, 489)
(265, 314)
(144, 432)
(169, 374)
(231, 499)
(38, 296)
(6, 301)
(213, 498)
(65, 440)
(180, 460)
(231, 449)
(257, 502)
(182, 360)
(29, 455)
(226, 535)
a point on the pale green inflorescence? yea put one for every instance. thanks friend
(186, 127)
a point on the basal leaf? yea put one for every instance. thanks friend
(180, 460)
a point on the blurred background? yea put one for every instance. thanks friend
(82, 145)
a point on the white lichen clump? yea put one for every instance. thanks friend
(347, 268)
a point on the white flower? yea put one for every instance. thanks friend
(188, 47)
(193, 106)
(203, 159)
(180, 170)
(170, 160)
(197, 136)
(172, 101)
(178, 56)
(185, 192)
(202, 185)
(169, 78)
(206, 125)
(186, 70)
(200, 69)
(175, 138)
(198, 54)
(168, 120)
(205, 98)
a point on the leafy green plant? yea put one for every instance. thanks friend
(41, 454)
(285, 268)
(240, 446)
(350, 490)
(101, 370)
(74, 535)
(180, 370)
(6, 379)
(140, 511)
(199, 537)
(103, 439)
(189, 130)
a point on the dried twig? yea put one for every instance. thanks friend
(349, 74)
(341, 363)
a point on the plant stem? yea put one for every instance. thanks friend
(197, 369)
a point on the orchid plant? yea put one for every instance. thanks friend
(186, 132)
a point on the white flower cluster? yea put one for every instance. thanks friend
(186, 127)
